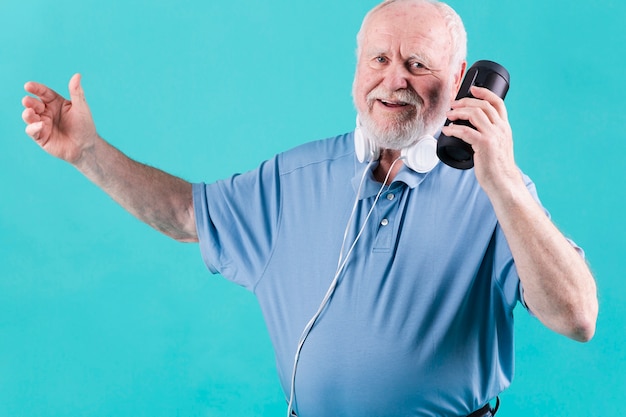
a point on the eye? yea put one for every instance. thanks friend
(380, 60)
(417, 67)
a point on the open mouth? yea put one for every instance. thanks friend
(393, 104)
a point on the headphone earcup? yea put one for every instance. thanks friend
(422, 156)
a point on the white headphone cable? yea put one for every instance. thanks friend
(340, 266)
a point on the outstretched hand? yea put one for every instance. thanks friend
(63, 128)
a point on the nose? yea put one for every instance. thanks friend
(396, 77)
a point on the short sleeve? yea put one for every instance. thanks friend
(236, 221)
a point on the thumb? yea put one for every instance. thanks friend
(77, 95)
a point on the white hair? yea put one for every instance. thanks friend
(453, 21)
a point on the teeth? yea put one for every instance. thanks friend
(391, 103)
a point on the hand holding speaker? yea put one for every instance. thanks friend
(451, 150)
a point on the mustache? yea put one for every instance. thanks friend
(397, 96)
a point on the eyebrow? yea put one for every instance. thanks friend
(418, 57)
(374, 51)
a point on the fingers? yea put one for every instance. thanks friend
(34, 130)
(482, 110)
(76, 90)
(33, 109)
(45, 94)
(31, 103)
(30, 116)
(34, 124)
(466, 133)
(491, 98)
(480, 118)
(487, 114)
(44, 103)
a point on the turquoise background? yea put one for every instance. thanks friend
(101, 316)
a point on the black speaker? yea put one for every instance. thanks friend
(488, 74)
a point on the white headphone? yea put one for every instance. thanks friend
(420, 157)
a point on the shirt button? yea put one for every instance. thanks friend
(384, 222)
(390, 196)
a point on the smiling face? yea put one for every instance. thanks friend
(404, 81)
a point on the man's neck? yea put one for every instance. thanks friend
(386, 161)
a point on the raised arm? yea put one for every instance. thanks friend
(65, 129)
(558, 286)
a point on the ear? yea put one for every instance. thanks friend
(458, 77)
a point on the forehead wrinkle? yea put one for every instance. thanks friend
(408, 25)
(405, 50)
(388, 37)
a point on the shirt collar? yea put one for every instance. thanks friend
(371, 187)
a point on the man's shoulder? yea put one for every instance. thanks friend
(318, 152)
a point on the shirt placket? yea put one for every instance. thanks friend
(387, 214)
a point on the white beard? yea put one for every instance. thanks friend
(398, 136)
(408, 127)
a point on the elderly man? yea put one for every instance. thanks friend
(387, 282)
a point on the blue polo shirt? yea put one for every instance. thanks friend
(421, 322)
